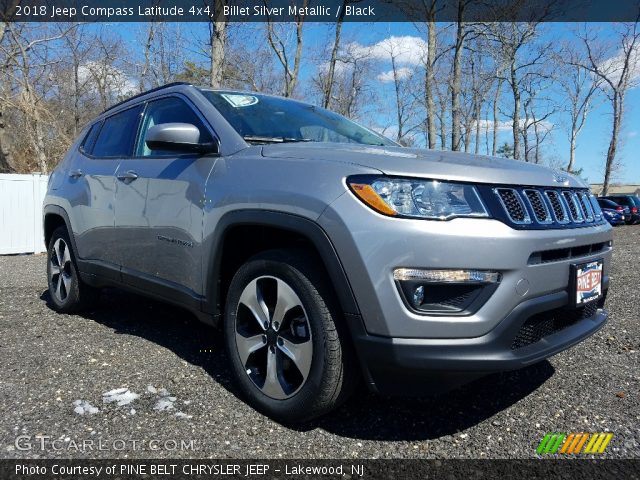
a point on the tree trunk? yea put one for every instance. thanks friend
(613, 144)
(572, 148)
(298, 55)
(328, 87)
(516, 113)
(496, 99)
(396, 83)
(429, 82)
(455, 85)
(218, 40)
(478, 112)
(147, 56)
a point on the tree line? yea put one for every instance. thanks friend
(457, 86)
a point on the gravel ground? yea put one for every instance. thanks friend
(138, 370)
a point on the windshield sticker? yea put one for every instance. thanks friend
(237, 100)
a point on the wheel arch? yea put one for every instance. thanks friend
(55, 216)
(267, 228)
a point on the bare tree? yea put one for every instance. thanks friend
(331, 68)
(579, 87)
(29, 57)
(218, 37)
(520, 61)
(276, 37)
(616, 65)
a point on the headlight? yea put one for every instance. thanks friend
(417, 198)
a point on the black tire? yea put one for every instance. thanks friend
(332, 374)
(68, 295)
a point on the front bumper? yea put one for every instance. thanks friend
(419, 366)
(532, 264)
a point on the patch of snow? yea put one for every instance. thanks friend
(151, 389)
(163, 392)
(163, 404)
(123, 396)
(183, 415)
(82, 407)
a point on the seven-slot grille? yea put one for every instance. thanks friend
(548, 207)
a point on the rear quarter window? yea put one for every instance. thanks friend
(90, 138)
(118, 134)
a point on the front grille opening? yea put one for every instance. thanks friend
(546, 256)
(556, 204)
(538, 206)
(513, 205)
(547, 323)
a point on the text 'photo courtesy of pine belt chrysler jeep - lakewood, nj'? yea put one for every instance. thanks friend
(326, 254)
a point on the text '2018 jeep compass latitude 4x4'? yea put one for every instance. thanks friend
(327, 252)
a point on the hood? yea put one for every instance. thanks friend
(435, 164)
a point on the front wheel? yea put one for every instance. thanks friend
(288, 351)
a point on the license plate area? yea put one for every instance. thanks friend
(586, 282)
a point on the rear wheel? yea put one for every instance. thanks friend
(285, 343)
(67, 291)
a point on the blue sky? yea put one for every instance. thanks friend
(592, 142)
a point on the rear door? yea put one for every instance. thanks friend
(159, 206)
(106, 144)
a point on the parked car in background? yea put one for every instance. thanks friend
(631, 201)
(614, 213)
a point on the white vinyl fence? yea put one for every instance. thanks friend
(21, 198)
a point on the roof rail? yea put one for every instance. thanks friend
(161, 87)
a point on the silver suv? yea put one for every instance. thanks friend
(325, 251)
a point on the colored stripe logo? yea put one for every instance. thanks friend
(574, 443)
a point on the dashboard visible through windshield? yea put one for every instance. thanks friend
(267, 119)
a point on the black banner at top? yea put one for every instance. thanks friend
(319, 10)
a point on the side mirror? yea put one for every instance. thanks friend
(180, 138)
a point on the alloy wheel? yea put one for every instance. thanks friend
(60, 274)
(273, 337)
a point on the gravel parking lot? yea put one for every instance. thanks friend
(135, 370)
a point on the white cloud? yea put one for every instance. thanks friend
(613, 67)
(507, 125)
(114, 79)
(407, 50)
(402, 72)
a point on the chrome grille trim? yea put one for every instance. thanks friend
(574, 206)
(597, 212)
(538, 206)
(587, 209)
(557, 206)
(516, 209)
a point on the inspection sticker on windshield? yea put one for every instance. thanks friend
(588, 282)
(239, 100)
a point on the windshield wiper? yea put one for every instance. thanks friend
(261, 139)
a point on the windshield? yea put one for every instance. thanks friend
(266, 119)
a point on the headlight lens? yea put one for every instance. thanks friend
(417, 198)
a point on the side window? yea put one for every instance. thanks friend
(117, 134)
(90, 138)
(168, 110)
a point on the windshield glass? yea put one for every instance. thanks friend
(266, 119)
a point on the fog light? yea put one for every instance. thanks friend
(446, 276)
(418, 296)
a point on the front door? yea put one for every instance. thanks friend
(159, 206)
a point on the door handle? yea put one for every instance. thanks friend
(76, 173)
(128, 176)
